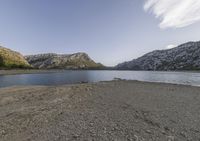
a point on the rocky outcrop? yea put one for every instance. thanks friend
(183, 57)
(12, 59)
(65, 61)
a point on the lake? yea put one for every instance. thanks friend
(71, 77)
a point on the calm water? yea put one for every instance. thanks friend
(69, 77)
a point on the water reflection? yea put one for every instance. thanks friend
(69, 77)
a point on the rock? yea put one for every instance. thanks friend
(183, 57)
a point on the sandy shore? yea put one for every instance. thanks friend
(116, 110)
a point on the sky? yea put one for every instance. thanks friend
(109, 31)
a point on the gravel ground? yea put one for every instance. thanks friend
(104, 111)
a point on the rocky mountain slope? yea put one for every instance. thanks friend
(183, 57)
(12, 59)
(65, 61)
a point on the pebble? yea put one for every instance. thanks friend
(3, 132)
(136, 138)
(91, 124)
(166, 128)
(170, 138)
(148, 131)
(183, 134)
(75, 136)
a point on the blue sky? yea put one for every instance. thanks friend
(110, 31)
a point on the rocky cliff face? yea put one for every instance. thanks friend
(12, 59)
(56, 61)
(183, 57)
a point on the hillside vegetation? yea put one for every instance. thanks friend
(11, 59)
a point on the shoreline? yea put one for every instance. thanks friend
(109, 81)
(35, 71)
(26, 71)
(114, 110)
(38, 71)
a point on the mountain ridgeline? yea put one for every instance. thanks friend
(183, 57)
(64, 61)
(11, 59)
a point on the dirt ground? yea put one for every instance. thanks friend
(104, 111)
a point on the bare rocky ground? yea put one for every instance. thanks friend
(105, 111)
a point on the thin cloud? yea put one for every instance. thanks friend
(170, 46)
(174, 13)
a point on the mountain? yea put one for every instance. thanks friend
(11, 59)
(183, 57)
(64, 61)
